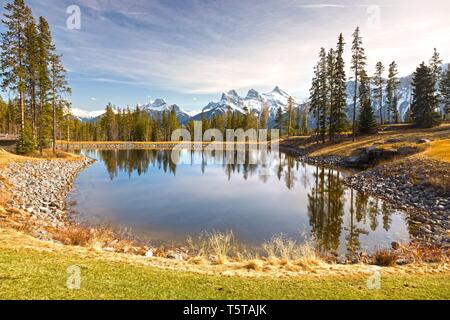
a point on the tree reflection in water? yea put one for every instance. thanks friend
(337, 216)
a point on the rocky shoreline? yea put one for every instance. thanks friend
(40, 187)
(428, 208)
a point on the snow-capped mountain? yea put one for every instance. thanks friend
(158, 106)
(254, 102)
(86, 116)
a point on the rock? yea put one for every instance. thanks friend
(402, 262)
(422, 141)
(176, 256)
(393, 140)
(395, 245)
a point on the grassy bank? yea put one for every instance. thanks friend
(400, 135)
(35, 270)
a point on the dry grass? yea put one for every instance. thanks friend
(439, 150)
(48, 154)
(217, 247)
(417, 253)
(385, 258)
(7, 157)
(407, 136)
(286, 252)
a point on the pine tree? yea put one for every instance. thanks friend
(13, 57)
(28, 145)
(339, 101)
(289, 116)
(59, 87)
(436, 69)
(392, 97)
(367, 123)
(32, 68)
(264, 117)
(436, 66)
(45, 49)
(108, 123)
(445, 92)
(424, 98)
(378, 82)
(279, 120)
(331, 65)
(357, 66)
(315, 98)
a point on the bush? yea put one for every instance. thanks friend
(385, 258)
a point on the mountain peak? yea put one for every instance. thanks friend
(253, 94)
(158, 102)
(233, 93)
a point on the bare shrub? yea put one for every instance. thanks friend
(385, 258)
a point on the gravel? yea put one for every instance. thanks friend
(40, 187)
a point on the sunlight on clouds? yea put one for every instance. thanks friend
(196, 47)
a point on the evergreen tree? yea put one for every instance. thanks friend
(424, 98)
(367, 123)
(324, 96)
(445, 92)
(436, 66)
(331, 65)
(289, 116)
(45, 49)
(339, 101)
(314, 98)
(59, 87)
(108, 123)
(32, 69)
(392, 97)
(264, 117)
(29, 144)
(279, 120)
(436, 69)
(378, 82)
(357, 66)
(13, 57)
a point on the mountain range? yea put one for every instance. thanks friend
(254, 101)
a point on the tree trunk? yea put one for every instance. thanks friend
(54, 125)
(381, 105)
(41, 108)
(22, 120)
(354, 106)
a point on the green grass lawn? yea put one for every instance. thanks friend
(30, 274)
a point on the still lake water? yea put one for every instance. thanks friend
(143, 190)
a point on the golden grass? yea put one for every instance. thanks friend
(17, 240)
(408, 137)
(7, 157)
(439, 150)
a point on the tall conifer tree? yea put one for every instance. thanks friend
(357, 66)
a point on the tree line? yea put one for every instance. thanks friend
(328, 93)
(32, 72)
(140, 125)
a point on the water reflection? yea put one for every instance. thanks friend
(278, 194)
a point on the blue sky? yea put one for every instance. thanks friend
(188, 52)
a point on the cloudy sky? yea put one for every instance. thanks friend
(189, 51)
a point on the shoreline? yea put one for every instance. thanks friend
(48, 209)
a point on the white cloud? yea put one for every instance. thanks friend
(211, 47)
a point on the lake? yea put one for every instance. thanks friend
(144, 191)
